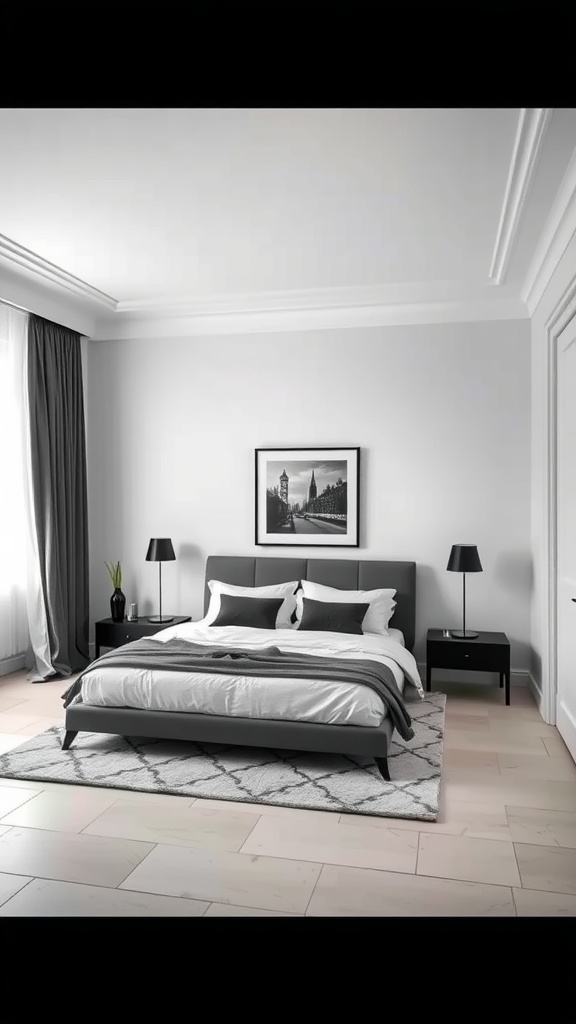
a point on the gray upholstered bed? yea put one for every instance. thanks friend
(345, 574)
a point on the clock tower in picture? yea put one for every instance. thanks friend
(284, 486)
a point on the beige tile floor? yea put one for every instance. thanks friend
(504, 844)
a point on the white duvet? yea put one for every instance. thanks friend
(296, 700)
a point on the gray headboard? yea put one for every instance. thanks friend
(346, 574)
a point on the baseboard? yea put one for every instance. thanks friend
(518, 676)
(536, 691)
(14, 664)
(566, 723)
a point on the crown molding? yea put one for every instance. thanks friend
(559, 228)
(406, 293)
(532, 124)
(271, 311)
(12, 253)
(490, 306)
(290, 301)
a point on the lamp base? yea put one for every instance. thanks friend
(163, 618)
(459, 634)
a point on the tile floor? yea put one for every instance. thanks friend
(504, 844)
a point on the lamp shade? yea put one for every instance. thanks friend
(464, 558)
(160, 550)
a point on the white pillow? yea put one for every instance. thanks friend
(382, 603)
(285, 590)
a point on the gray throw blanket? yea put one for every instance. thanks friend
(186, 656)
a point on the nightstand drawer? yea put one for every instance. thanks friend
(465, 654)
(114, 635)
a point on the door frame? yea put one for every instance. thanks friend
(562, 314)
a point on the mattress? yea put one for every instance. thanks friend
(297, 700)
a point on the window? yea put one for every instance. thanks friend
(14, 637)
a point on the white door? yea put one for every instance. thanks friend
(566, 513)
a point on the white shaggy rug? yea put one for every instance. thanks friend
(325, 782)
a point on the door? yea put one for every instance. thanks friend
(566, 537)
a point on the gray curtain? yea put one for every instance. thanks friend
(59, 495)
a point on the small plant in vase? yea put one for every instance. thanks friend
(118, 599)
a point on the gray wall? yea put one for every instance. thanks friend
(441, 412)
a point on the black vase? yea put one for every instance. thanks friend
(117, 605)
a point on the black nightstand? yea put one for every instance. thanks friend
(115, 634)
(489, 652)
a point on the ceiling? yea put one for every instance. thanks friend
(142, 212)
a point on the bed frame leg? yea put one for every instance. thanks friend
(69, 738)
(382, 765)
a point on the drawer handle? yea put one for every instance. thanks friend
(466, 655)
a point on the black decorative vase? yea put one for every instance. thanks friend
(117, 605)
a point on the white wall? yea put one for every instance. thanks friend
(541, 640)
(441, 412)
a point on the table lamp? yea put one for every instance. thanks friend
(464, 558)
(160, 550)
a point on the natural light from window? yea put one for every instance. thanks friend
(13, 535)
(12, 516)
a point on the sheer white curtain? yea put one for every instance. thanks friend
(14, 633)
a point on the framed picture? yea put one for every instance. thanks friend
(308, 496)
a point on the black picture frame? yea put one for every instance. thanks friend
(315, 501)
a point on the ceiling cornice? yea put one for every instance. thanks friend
(271, 311)
(559, 228)
(290, 301)
(489, 304)
(14, 254)
(532, 124)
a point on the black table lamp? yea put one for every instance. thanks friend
(464, 558)
(160, 550)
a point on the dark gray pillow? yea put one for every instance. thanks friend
(332, 616)
(257, 612)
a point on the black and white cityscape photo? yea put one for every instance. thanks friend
(308, 499)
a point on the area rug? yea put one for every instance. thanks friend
(324, 782)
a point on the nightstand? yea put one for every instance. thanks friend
(489, 652)
(115, 634)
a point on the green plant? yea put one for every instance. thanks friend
(115, 570)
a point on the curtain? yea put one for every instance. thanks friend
(58, 497)
(14, 636)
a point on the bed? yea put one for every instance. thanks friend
(355, 723)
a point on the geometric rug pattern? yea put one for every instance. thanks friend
(318, 781)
